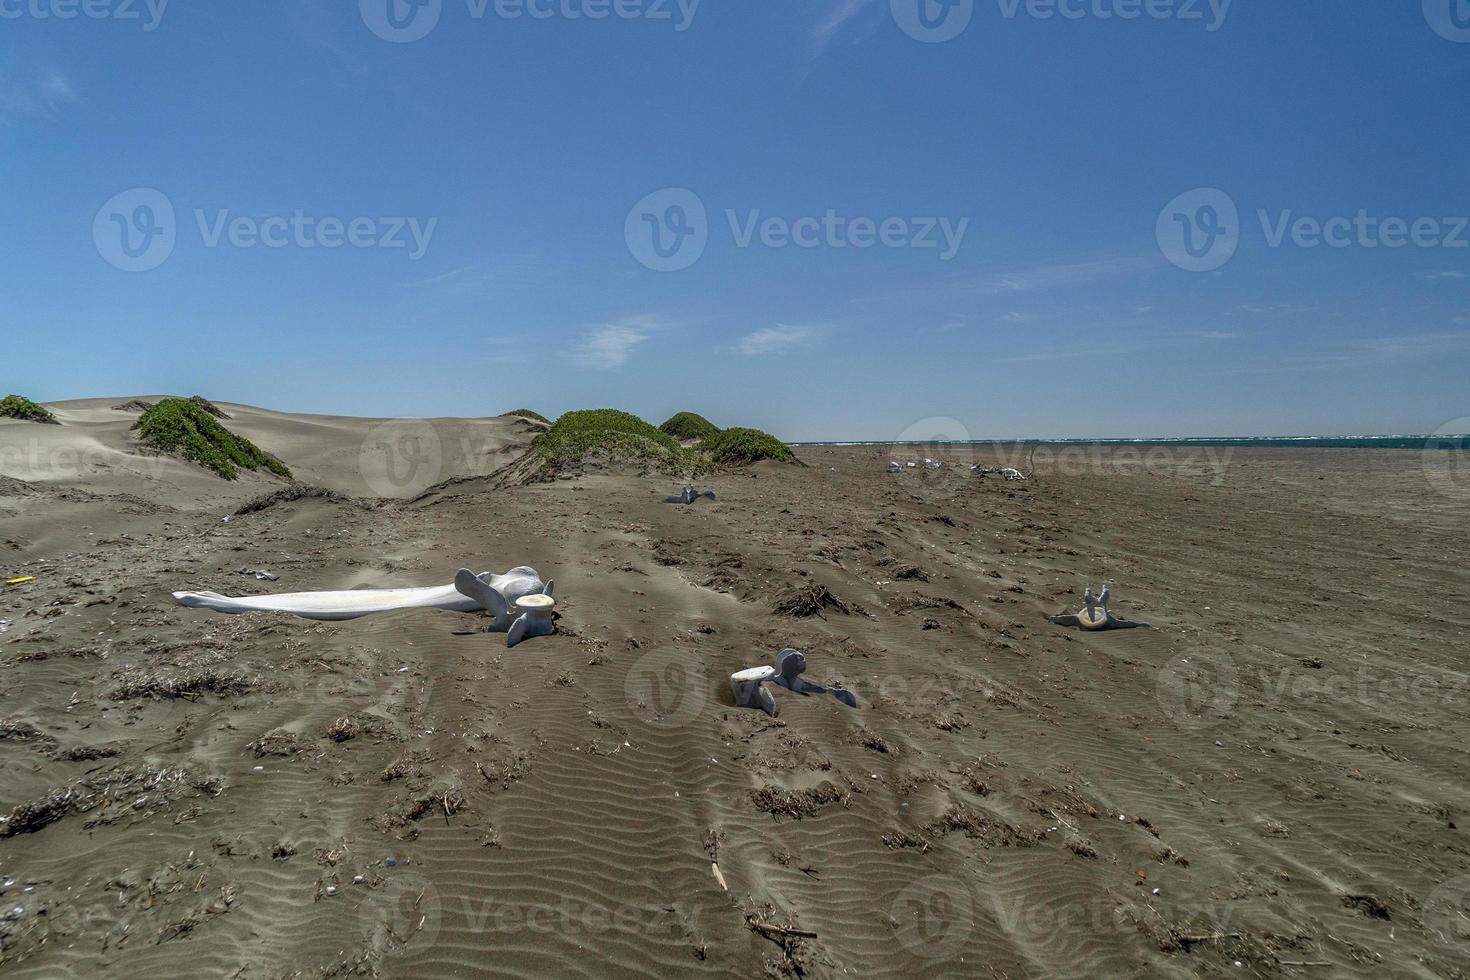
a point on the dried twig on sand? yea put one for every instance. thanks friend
(796, 803)
(147, 789)
(190, 684)
(799, 954)
(712, 838)
(810, 601)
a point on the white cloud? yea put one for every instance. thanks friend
(609, 346)
(1434, 276)
(1368, 351)
(838, 16)
(1264, 309)
(1064, 275)
(774, 340)
(39, 98)
(56, 88)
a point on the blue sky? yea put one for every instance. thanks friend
(993, 226)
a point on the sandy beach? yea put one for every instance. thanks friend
(1266, 782)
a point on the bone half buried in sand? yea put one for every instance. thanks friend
(491, 593)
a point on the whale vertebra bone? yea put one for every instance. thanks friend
(689, 496)
(1095, 615)
(497, 594)
(786, 672)
(536, 617)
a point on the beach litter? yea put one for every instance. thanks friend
(689, 495)
(748, 685)
(260, 573)
(1009, 472)
(20, 581)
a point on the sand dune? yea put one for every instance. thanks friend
(93, 457)
(402, 795)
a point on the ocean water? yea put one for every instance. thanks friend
(1460, 443)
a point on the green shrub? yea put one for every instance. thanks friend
(20, 407)
(183, 428)
(209, 406)
(526, 413)
(614, 436)
(740, 447)
(687, 425)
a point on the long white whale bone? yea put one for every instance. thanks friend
(332, 606)
(339, 606)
